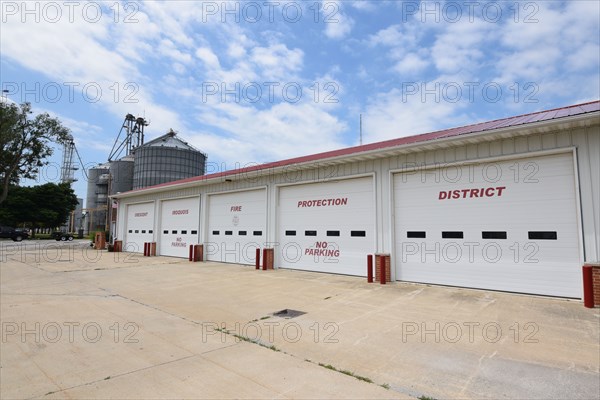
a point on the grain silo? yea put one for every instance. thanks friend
(166, 159)
(97, 197)
(121, 173)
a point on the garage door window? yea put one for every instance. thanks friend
(543, 235)
(242, 233)
(416, 234)
(452, 235)
(333, 233)
(358, 233)
(310, 233)
(493, 235)
(228, 233)
(257, 233)
(290, 233)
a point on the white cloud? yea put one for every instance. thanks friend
(391, 115)
(585, 57)
(362, 73)
(81, 53)
(563, 42)
(281, 131)
(337, 23)
(85, 134)
(168, 49)
(208, 57)
(277, 61)
(364, 5)
(460, 46)
(390, 36)
(127, 41)
(410, 64)
(236, 50)
(173, 18)
(530, 65)
(179, 68)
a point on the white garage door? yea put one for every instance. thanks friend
(237, 224)
(139, 226)
(179, 226)
(508, 225)
(327, 227)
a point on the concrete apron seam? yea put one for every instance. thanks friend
(259, 343)
(154, 308)
(117, 376)
(61, 295)
(30, 265)
(98, 269)
(235, 372)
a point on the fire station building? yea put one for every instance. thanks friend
(510, 205)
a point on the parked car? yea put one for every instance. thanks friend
(62, 236)
(16, 235)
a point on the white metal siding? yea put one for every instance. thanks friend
(179, 226)
(237, 225)
(327, 227)
(139, 226)
(586, 140)
(511, 198)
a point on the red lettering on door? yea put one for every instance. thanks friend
(471, 193)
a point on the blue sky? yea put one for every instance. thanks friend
(252, 82)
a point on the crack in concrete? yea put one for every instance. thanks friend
(116, 376)
(59, 294)
(475, 373)
(154, 308)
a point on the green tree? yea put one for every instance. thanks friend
(19, 208)
(25, 143)
(44, 206)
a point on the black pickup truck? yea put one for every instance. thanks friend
(11, 233)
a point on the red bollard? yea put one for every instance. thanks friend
(191, 256)
(146, 249)
(264, 260)
(257, 262)
(588, 287)
(370, 268)
(382, 270)
(198, 253)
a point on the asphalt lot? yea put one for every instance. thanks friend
(78, 323)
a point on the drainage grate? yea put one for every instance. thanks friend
(287, 313)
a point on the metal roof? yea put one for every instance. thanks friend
(169, 139)
(436, 139)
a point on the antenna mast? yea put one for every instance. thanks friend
(360, 129)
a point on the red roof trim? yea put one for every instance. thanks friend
(446, 133)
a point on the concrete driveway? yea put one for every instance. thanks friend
(77, 323)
